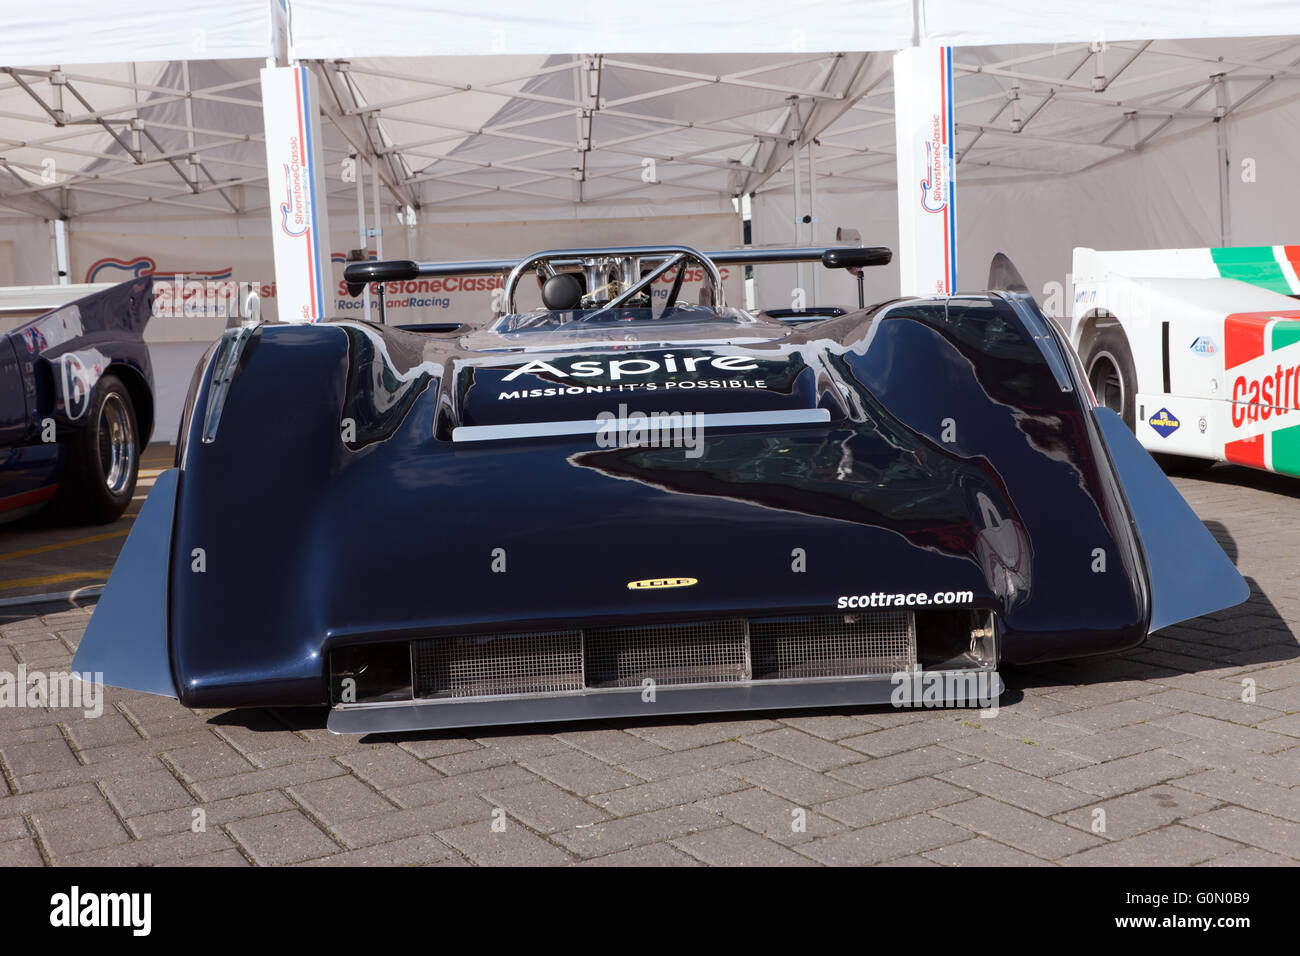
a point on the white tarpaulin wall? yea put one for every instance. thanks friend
(1045, 163)
(1165, 197)
(91, 31)
(82, 31)
(993, 22)
(325, 29)
(343, 28)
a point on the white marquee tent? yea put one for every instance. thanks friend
(1078, 123)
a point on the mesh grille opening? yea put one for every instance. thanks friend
(697, 653)
(542, 662)
(832, 645)
(726, 650)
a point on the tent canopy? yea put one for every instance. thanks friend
(86, 31)
(564, 135)
(82, 31)
(483, 133)
(591, 130)
(324, 29)
(1064, 108)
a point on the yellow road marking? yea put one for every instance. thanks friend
(151, 472)
(66, 544)
(53, 579)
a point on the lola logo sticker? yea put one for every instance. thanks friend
(652, 583)
(1164, 423)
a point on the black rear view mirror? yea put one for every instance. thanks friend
(358, 275)
(853, 257)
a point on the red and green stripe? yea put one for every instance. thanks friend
(1261, 266)
(1249, 336)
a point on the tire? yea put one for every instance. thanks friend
(103, 459)
(1110, 371)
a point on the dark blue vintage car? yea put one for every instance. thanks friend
(624, 504)
(76, 407)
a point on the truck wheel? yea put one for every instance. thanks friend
(1109, 367)
(103, 459)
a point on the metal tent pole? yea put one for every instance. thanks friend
(812, 216)
(798, 226)
(379, 228)
(361, 230)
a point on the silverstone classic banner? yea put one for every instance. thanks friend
(197, 275)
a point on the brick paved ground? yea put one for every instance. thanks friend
(1159, 739)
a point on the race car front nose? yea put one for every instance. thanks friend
(637, 668)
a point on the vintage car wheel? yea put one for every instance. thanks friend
(1114, 382)
(103, 458)
(1110, 371)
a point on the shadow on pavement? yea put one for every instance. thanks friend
(1252, 633)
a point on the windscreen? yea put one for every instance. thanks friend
(612, 319)
(623, 327)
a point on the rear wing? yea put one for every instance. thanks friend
(358, 275)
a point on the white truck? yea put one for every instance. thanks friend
(1198, 350)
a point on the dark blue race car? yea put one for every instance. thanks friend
(626, 504)
(76, 407)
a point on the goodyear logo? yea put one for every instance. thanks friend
(1164, 423)
(651, 583)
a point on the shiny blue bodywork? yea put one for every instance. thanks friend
(327, 504)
